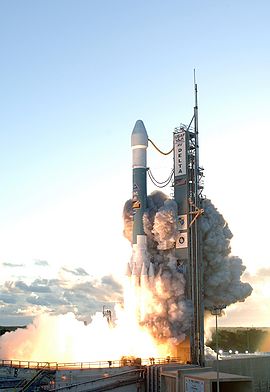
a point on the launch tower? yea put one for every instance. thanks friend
(187, 186)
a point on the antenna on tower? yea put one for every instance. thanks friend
(196, 102)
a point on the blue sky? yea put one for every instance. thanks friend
(76, 75)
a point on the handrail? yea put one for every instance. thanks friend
(33, 379)
(86, 365)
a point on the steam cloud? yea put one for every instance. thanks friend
(168, 313)
(222, 271)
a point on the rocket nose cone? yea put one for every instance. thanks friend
(139, 135)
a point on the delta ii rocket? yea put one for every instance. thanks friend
(140, 268)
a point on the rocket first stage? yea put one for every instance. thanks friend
(140, 266)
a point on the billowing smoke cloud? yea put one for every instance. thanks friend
(171, 318)
(210, 354)
(166, 315)
(171, 315)
(222, 271)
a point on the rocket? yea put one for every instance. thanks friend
(139, 265)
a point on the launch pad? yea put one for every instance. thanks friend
(163, 377)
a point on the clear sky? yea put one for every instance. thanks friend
(75, 76)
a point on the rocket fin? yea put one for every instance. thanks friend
(144, 271)
(135, 277)
(151, 271)
(128, 270)
(135, 271)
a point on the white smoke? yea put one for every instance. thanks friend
(209, 353)
(171, 320)
(222, 271)
(164, 227)
(64, 339)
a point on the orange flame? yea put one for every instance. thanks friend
(64, 339)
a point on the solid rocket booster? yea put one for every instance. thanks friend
(139, 144)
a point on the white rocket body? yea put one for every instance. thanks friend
(139, 266)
